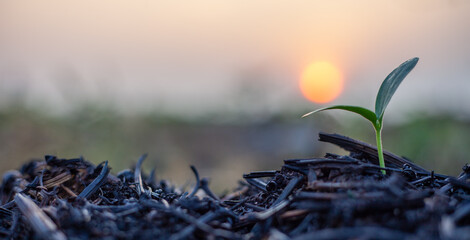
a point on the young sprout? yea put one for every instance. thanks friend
(386, 91)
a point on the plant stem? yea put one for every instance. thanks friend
(378, 137)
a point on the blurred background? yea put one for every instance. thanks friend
(222, 84)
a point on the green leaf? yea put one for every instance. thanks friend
(366, 113)
(390, 85)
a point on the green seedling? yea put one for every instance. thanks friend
(386, 91)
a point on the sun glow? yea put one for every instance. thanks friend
(321, 82)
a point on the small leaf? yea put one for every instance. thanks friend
(390, 85)
(366, 113)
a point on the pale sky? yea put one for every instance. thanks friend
(200, 56)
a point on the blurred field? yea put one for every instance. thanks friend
(222, 151)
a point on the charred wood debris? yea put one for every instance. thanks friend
(335, 197)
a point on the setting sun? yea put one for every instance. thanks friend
(321, 82)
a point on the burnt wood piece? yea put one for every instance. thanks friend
(368, 151)
(198, 181)
(461, 213)
(260, 174)
(37, 219)
(462, 177)
(199, 223)
(138, 175)
(256, 208)
(459, 183)
(5, 212)
(288, 189)
(355, 233)
(207, 190)
(256, 183)
(305, 162)
(202, 225)
(96, 184)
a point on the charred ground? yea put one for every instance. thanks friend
(335, 197)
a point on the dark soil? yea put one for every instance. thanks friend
(335, 197)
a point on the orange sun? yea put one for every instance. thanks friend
(321, 82)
